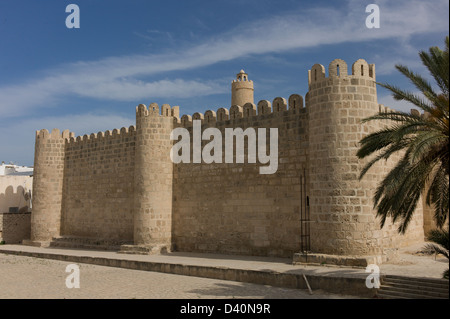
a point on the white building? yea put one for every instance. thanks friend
(16, 184)
(12, 169)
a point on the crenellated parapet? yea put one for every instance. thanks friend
(54, 134)
(153, 110)
(338, 69)
(385, 109)
(124, 132)
(249, 110)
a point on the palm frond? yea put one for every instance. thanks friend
(401, 95)
(419, 82)
(438, 197)
(440, 237)
(424, 141)
(435, 249)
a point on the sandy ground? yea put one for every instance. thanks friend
(28, 277)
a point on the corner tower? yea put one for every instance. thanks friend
(48, 185)
(241, 89)
(344, 220)
(341, 207)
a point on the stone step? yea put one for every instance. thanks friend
(413, 288)
(417, 291)
(444, 283)
(84, 246)
(387, 295)
(144, 249)
(87, 243)
(403, 295)
(417, 285)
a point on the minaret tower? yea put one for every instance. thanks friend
(241, 89)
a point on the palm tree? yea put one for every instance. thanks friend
(423, 140)
(440, 239)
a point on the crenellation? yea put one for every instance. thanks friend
(210, 117)
(316, 74)
(236, 112)
(249, 110)
(363, 74)
(361, 68)
(175, 112)
(198, 116)
(279, 105)
(295, 102)
(121, 133)
(222, 114)
(166, 110)
(372, 71)
(264, 107)
(337, 68)
(153, 109)
(55, 134)
(186, 121)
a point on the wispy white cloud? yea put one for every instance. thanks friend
(118, 78)
(152, 35)
(128, 89)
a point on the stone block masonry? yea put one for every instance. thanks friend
(123, 186)
(98, 185)
(15, 227)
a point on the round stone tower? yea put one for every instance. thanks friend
(48, 178)
(343, 219)
(153, 177)
(241, 89)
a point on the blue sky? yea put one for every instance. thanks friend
(186, 53)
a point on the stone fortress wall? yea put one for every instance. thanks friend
(122, 186)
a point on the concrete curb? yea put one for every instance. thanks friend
(350, 285)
